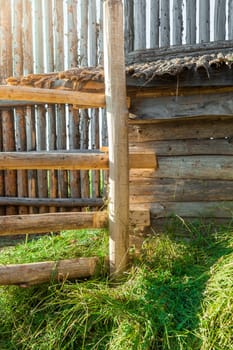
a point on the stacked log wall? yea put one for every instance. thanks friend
(194, 178)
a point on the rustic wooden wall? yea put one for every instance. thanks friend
(195, 168)
(162, 23)
(39, 37)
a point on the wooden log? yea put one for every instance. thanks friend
(20, 139)
(220, 20)
(27, 37)
(70, 160)
(221, 146)
(74, 143)
(72, 34)
(41, 223)
(6, 68)
(179, 190)
(2, 210)
(78, 98)
(52, 202)
(204, 21)
(8, 144)
(31, 146)
(18, 38)
(117, 115)
(165, 23)
(139, 25)
(190, 22)
(145, 109)
(38, 31)
(154, 23)
(26, 275)
(220, 209)
(164, 53)
(48, 34)
(129, 25)
(182, 129)
(230, 19)
(190, 167)
(177, 19)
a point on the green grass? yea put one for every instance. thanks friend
(177, 295)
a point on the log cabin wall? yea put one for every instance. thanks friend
(194, 178)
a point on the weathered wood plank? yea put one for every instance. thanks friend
(190, 167)
(182, 106)
(117, 116)
(70, 160)
(230, 19)
(139, 25)
(26, 275)
(221, 209)
(221, 146)
(179, 190)
(154, 23)
(6, 68)
(129, 25)
(164, 23)
(8, 144)
(177, 19)
(182, 129)
(41, 223)
(78, 98)
(204, 21)
(220, 20)
(190, 22)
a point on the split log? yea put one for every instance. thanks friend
(26, 275)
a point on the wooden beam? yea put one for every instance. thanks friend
(37, 95)
(26, 275)
(49, 222)
(52, 202)
(71, 160)
(164, 53)
(40, 223)
(117, 116)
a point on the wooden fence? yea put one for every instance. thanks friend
(162, 23)
(39, 37)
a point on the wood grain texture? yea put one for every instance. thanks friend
(182, 106)
(217, 209)
(189, 167)
(190, 147)
(26, 275)
(42, 223)
(117, 116)
(179, 190)
(78, 98)
(197, 129)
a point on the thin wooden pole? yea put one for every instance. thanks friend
(177, 22)
(117, 116)
(230, 20)
(139, 25)
(164, 23)
(154, 23)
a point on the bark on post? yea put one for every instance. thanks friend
(117, 116)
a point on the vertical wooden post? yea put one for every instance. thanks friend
(220, 20)
(154, 23)
(177, 19)
(191, 22)
(204, 21)
(139, 25)
(165, 23)
(117, 116)
(230, 20)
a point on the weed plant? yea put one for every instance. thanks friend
(177, 295)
